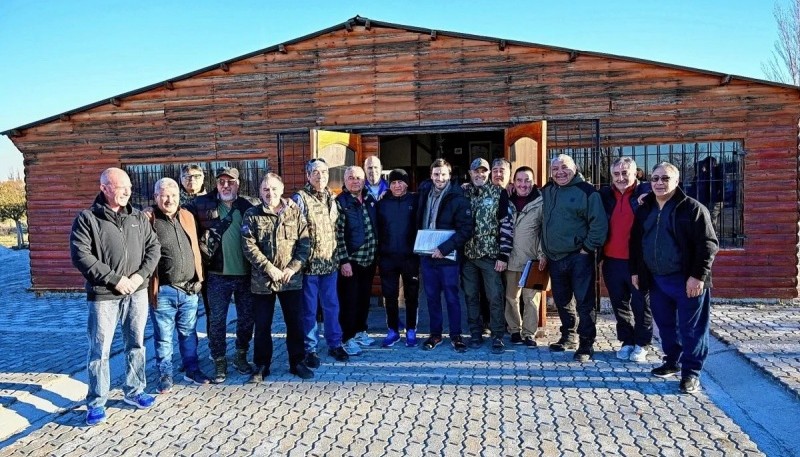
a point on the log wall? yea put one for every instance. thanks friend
(388, 77)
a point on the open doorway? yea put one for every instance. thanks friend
(415, 152)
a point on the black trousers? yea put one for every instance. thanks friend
(354, 294)
(392, 269)
(263, 312)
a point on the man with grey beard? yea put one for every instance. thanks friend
(219, 215)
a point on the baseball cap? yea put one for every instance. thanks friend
(479, 162)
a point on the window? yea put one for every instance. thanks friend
(144, 177)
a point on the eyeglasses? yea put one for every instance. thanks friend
(197, 177)
(227, 182)
(655, 178)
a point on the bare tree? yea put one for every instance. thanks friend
(784, 66)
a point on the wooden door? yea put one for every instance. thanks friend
(340, 150)
(526, 144)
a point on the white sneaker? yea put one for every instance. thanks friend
(639, 354)
(363, 339)
(624, 352)
(351, 347)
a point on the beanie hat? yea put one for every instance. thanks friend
(398, 174)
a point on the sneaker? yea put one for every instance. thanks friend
(220, 370)
(584, 353)
(497, 345)
(339, 354)
(391, 337)
(476, 341)
(312, 360)
(196, 377)
(639, 354)
(95, 415)
(301, 371)
(529, 342)
(351, 347)
(624, 352)
(363, 339)
(690, 384)
(240, 362)
(666, 370)
(165, 384)
(563, 344)
(431, 343)
(458, 344)
(259, 374)
(516, 338)
(141, 401)
(411, 338)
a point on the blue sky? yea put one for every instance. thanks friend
(58, 55)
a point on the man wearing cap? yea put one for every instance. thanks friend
(442, 206)
(397, 212)
(574, 227)
(219, 214)
(318, 205)
(192, 183)
(376, 185)
(486, 253)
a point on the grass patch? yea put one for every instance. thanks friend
(8, 240)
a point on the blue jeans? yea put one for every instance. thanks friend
(573, 276)
(220, 289)
(104, 315)
(475, 272)
(683, 322)
(437, 278)
(175, 310)
(321, 290)
(631, 307)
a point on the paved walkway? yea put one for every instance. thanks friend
(396, 401)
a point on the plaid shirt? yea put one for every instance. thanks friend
(365, 254)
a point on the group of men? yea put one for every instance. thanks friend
(317, 253)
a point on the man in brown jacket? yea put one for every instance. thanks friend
(175, 286)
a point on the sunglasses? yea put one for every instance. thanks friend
(655, 178)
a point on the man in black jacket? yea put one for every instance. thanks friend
(219, 215)
(397, 230)
(442, 206)
(114, 247)
(672, 248)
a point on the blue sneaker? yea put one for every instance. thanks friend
(391, 337)
(411, 338)
(95, 415)
(141, 401)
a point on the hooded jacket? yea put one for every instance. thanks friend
(107, 245)
(574, 218)
(277, 240)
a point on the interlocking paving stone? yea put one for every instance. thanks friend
(393, 401)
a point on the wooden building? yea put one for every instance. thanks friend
(411, 95)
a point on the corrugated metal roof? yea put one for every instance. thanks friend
(362, 21)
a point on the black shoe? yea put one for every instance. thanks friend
(258, 375)
(563, 344)
(339, 354)
(529, 342)
(584, 353)
(690, 384)
(240, 362)
(476, 341)
(666, 370)
(301, 371)
(431, 343)
(516, 338)
(458, 344)
(220, 370)
(497, 345)
(312, 360)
